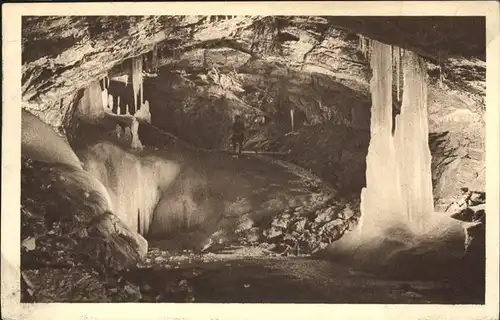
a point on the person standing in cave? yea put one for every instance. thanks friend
(238, 134)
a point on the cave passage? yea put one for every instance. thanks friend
(332, 200)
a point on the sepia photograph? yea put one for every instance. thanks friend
(253, 158)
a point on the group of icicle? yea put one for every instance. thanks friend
(96, 99)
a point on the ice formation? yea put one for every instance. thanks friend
(398, 174)
(136, 143)
(136, 78)
(397, 55)
(105, 101)
(144, 113)
(380, 199)
(110, 102)
(91, 104)
(412, 146)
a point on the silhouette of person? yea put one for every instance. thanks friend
(238, 134)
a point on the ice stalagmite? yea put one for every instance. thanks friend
(136, 143)
(380, 200)
(136, 78)
(144, 113)
(411, 139)
(110, 103)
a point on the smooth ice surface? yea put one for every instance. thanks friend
(381, 199)
(398, 175)
(398, 223)
(412, 145)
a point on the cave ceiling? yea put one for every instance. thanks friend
(65, 53)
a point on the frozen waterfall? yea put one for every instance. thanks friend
(412, 146)
(398, 174)
(381, 198)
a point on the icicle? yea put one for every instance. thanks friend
(136, 77)
(123, 79)
(292, 111)
(118, 110)
(142, 95)
(105, 101)
(380, 200)
(412, 145)
(127, 110)
(110, 102)
(398, 73)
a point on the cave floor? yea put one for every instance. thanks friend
(250, 275)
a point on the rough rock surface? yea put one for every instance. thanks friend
(212, 68)
(61, 230)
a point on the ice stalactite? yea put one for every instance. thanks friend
(136, 78)
(118, 110)
(412, 146)
(141, 100)
(380, 199)
(105, 101)
(398, 72)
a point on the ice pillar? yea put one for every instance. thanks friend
(412, 146)
(380, 199)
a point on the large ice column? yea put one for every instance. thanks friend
(136, 78)
(411, 139)
(380, 200)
